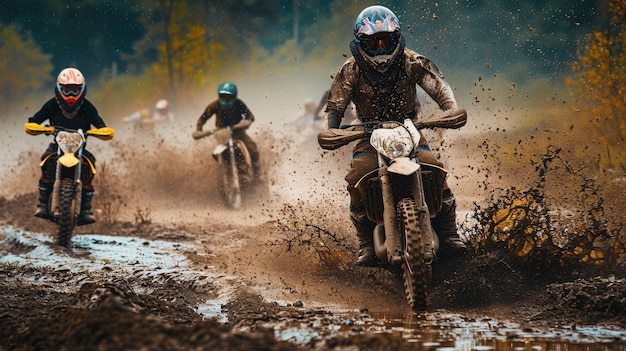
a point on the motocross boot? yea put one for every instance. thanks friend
(364, 231)
(86, 216)
(45, 189)
(444, 225)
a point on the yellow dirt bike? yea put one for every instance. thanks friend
(65, 199)
(401, 195)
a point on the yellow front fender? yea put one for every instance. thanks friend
(68, 160)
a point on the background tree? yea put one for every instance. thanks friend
(24, 68)
(87, 34)
(599, 83)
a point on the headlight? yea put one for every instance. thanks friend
(392, 143)
(69, 142)
(397, 149)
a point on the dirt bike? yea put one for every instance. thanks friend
(234, 164)
(401, 196)
(64, 203)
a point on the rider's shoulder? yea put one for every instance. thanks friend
(413, 57)
(349, 67)
(416, 63)
(88, 108)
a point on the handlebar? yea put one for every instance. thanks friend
(335, 138)
(104, 133)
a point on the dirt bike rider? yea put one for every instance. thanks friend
(232, 112)
(70, 109)
(144, 116)
(381, 78)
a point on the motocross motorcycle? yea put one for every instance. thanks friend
(234, 164)
(65, 199)
(401, 196)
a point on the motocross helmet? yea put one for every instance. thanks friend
(227, 93)
(70, 89)
(377, 34)
(162, 105)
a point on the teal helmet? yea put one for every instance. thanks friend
(227, 93)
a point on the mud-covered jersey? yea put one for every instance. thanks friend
(395, 100)
(82, 118)
(225, 116)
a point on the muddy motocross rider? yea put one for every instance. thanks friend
(70, 109)
(232, 112)
(381, 78)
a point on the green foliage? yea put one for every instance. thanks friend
(599, 83)
(126, 94)
(24, 68)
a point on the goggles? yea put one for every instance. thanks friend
(70, 89)
(227, 97)
(377, 44)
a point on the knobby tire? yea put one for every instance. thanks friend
(67, 219)
(414, 269)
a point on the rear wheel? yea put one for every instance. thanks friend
(415, 272)
(67, 219)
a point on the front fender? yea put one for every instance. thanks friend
(403, 166)
(69, 160)
(219, 149)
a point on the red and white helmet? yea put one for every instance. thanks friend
(162, 105)
(70, 89)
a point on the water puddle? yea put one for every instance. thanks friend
(438, 330)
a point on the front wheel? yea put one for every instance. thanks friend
(67, 219)
(415, 272)
(231, 188)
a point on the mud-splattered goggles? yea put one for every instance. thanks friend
(70, 89)
(378, 44)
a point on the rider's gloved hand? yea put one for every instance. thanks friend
(243, 124)
(197, 134)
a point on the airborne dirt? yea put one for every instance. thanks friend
(167, 267)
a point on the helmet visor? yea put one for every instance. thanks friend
(70, 89)
(380, 43)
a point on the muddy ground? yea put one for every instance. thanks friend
(246, 279)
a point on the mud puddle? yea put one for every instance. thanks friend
(211, 293)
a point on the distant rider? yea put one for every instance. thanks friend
(232, 112)
(70, 109)
(381, 78)
(145, 117)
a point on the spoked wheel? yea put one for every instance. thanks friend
(415, 272)
(67, 219)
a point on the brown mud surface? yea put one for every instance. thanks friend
(166, 271)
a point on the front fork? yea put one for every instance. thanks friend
(393, 241)
(233, 164)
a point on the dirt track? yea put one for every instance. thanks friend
(252, 279)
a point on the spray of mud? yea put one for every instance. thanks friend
(523, 230)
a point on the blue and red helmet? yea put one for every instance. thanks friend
(227, 93)
(377, 31)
